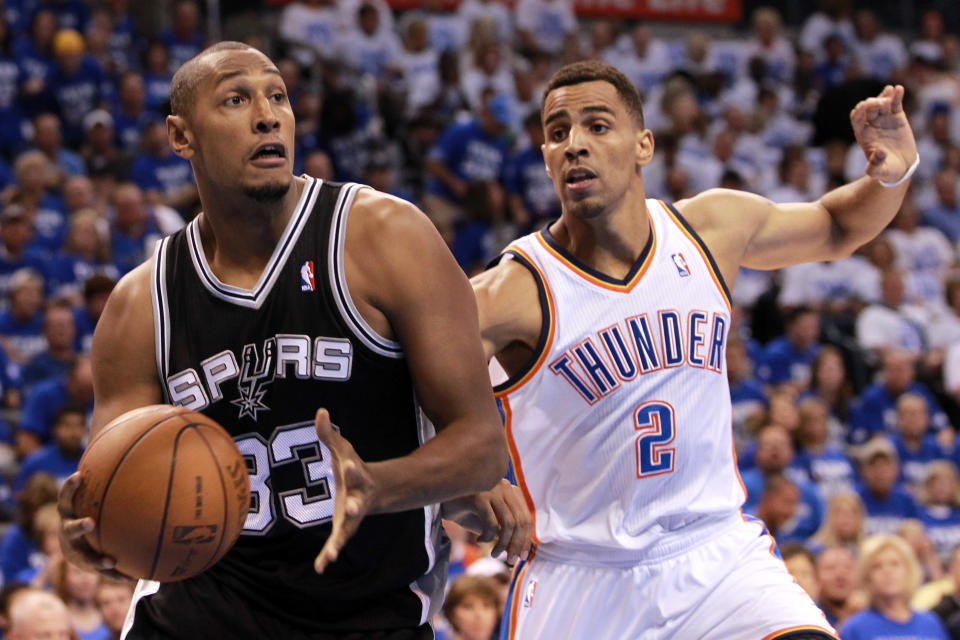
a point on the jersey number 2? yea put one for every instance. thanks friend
(654, 423)
(288, 444)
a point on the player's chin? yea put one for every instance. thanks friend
(268, 190)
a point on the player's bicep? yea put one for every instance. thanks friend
(124, 361)
(508, 307)
(791, 233)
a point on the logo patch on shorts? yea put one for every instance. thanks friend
(529, 593)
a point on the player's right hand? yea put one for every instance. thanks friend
(73, 544)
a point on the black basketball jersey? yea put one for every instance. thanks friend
(260, 362)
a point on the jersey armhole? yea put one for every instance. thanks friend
(702, 246)
(547, 324)
(161, 312)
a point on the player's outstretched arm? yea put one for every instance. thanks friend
(752, 231)
(407, 285)
(124, 378)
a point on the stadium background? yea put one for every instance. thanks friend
(845, 376)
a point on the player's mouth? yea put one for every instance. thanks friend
(271, 154)
(579, 179)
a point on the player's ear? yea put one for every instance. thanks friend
(644, 147)
(180, 136)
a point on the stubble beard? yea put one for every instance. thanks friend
(267, 193)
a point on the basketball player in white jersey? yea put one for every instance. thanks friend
(611, 324)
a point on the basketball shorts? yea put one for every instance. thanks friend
(730, 587)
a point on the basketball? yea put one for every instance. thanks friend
(168, 490)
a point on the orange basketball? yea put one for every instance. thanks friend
(168, 490)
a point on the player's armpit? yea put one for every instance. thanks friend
(406, 283)
(508, 305)
(124, 359)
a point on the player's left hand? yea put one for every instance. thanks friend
(355, 490)
(500, 514)
(884, 134)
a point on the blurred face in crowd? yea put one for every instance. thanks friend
(33, 172)
(837, 573)
(945, 184)
(43, 29)
(240, 107)
(941, 485)
(594, 147)
(829, 369)
(186, 18)
(113, 600)
(80, 381)
(891, 288)
(156, 58)
(803, 572)
(81, 584)
(779, 504)
(804, 330)
(132, 92)
(68, 432)
(130, 210)
(15, 233)
(47, 134)
(880, 474)
(846, 517)
(59, 328)
(475, 618)
(42, 622)
(783, 411)
(898, 371)
(774, 450)
(912, 416)
(26, 300)
(888, 575)
(78, 193)
(813, 422)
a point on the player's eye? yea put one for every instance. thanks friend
(558, 134)
(279, 97)
(233, 101)
(598, 127)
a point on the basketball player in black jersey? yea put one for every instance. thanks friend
(283, 296)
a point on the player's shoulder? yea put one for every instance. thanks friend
(379, 218)
(134, 287)
(508, 299)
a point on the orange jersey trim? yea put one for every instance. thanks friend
(551, 325)
(517, 465)
(804, 627)
(517, 596)
(626, 287)
(703, 254)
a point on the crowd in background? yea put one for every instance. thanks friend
(845, 376)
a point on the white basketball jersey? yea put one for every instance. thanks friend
(620, 426)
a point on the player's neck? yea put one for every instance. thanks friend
(610, 242)
(239, 246)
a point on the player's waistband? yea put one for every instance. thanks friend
(666, 544)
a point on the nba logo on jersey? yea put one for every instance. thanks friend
(682, 267)
(528, 595)
(306, 277)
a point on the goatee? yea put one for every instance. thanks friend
(268, 193)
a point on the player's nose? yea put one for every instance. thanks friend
(264, 119)
(576, 143)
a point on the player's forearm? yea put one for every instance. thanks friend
(861, 210)
(468, 456)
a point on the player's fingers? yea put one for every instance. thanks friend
(67, 492)
(76, 528)
(326, 556)
(79, 551)
(507, 523)
(325, 432)
(896, 104)
(523, 533)
(489, 526)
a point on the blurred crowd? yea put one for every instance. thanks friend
(845, 376)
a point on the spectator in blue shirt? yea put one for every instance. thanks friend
(60, 457)
(790, 357)
(184, 39)
(916, 446)
(875, 411)
(836, 568)
(828, 466)
(21, 325)
(891, 574)
(17, 545)
(96, 290)
(886, 501)
(35, 58)
(944, 214)
(78, 84)
(46, 398)
(60, 333)
(48, 138)
(746, 392)
(11, 78)
(15, 235)
(86, 253)
(940, 511)
(46, 210)
(157, 77)
(130, 115)
(843, 525)
(71, 14)
(164, 177)
(466, 152)
(829, 382)
(124, 42)
(134, 231)
(948, 609)
(533, 200)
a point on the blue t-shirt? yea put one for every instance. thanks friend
(870, 624)
(914, 462)
(41, 405)
(16, 547)
(527, 177)
(831, 470)
(127, 252)
(25, 335)
(71, 14)
(9, 265)
(885, 515)
(49, 225)
(809, 515)
(48, 459)
(165, 174)
(77, 94)
(85, 326)
(11, 117)
(129, 129)
(782, 362)
(179, 51)
(470, 153)
(876, 411)
(71, 271)
(40, 368)
(100, 633)
(124, 43)
(943, 527)
(157, 89)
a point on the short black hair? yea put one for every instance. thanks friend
(592, 71)
(183, 87)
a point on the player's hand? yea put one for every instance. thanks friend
(354, 487)
(500, 514)
(73, 544)
(884, 134)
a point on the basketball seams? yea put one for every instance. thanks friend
(166, 501)
(225, 501)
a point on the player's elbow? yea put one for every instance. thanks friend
(492, 459)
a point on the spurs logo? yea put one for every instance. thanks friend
(257, 372)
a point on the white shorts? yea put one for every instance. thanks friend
(730, 587)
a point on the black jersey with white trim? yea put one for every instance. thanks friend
(260, 362)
